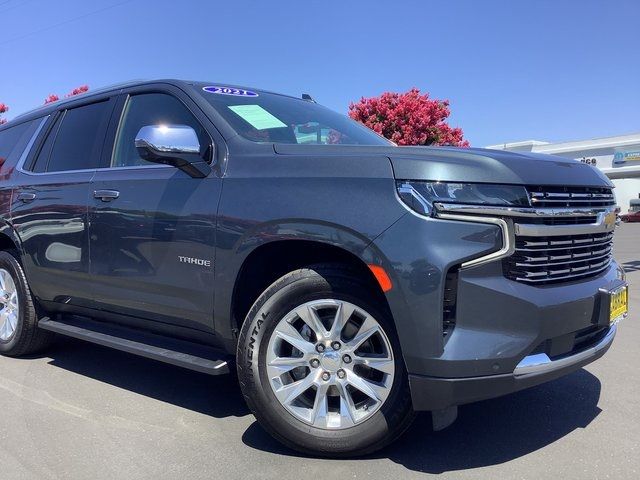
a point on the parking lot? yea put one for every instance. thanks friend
(82, 411)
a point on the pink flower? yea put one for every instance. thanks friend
(3, 109)
(78, 91)
(51, 98)
(408, 118)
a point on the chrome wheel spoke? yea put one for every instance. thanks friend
(321, 406)
(288, 393)
(13, 300)
(347, 407)
(344, 312)
(368, 328)
(13, 321)
(309, 315)
(3, 329)
(290, 335)
(370, 389)
(280, 365)
(384, 365)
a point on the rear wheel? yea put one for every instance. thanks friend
(320, 365)
(19, 332)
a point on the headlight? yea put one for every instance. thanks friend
(421, 196)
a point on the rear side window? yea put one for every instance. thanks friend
(75, 141)
(40, 164)
(14, 140)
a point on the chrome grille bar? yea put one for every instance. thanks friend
(566, 234)
(550, 196)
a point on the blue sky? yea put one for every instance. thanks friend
(513, 70)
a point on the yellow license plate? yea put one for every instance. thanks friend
(618, 304)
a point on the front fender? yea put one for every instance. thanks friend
(292, 229)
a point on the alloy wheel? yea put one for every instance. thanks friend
(330, 364)
(9, 305)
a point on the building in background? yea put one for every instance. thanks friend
(618, 157)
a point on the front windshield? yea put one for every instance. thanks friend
(273, 118)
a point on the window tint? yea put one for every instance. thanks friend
(40, 164)
(79, 138)
(14, 140)
(150, 109)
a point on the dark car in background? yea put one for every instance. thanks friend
(349, 281)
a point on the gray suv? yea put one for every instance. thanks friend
(348, 281)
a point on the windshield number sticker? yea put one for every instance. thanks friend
(238, 92)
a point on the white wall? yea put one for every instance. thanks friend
(626, 189)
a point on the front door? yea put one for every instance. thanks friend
(152, 231)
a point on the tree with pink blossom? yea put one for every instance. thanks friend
(409, 118)
(76, 91)
(3, 109)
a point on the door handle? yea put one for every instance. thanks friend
(106, 195)
(26, 197)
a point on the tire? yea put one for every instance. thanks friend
(19, 332)
(334, 423)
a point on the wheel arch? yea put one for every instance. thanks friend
(269, 261)
(8, 238)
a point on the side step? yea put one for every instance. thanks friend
(192, 356)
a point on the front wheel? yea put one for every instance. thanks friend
(320, 365)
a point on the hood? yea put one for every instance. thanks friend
(449, 164)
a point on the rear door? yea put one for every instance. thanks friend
(153, 226)
(49, 204)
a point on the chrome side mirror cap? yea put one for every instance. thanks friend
(163, 139)
(175, 145)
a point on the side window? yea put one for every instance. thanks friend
(79, 138)
(14, 140)
(40, 163)
(150, 109)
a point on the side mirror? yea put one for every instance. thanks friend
(175, 145)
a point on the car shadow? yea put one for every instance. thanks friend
(486, 433)
(217, 396)
(631, 266)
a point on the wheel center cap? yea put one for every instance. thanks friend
(331, 361)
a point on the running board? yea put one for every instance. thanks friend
(192, 356)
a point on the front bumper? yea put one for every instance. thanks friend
(432, 393)
(507, 335)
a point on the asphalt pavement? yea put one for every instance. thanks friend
(87, 412)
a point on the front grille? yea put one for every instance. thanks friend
(542, 260)
(570, 197)
(587, 219)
